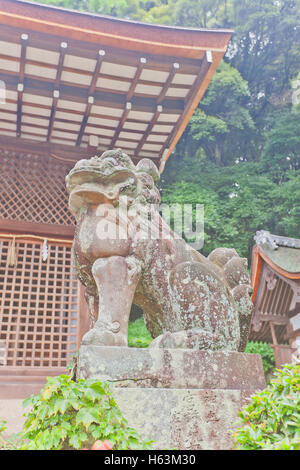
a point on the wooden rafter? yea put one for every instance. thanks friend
(88, 50)
(149, 128)
(121, 124)
(167, 83)
(84, 120)
(189, 106)
(90, 102)
(20, 86)
(55, 150)
(92, 75)
(96, 72)
(63, 48)
(69, 121)
(52, 113)
(102, 98)
(136, 78)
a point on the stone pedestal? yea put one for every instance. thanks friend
(180, 398)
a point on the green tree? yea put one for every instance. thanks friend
(266, 47)
(238, 201)
(200, 13)
(281, 152)
(222, 124)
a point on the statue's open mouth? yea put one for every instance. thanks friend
(98, 176)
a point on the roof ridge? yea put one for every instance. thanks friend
(263, 237)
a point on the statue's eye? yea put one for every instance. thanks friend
(129, 187)
(126, 189)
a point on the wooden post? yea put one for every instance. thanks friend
(282, 352)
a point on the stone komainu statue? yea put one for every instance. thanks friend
(188, 300)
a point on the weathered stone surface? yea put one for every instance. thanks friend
(126, 253)
(182, 419)
(171, 368)
(180, 398)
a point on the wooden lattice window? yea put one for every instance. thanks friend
(33, 188)
(39, 304)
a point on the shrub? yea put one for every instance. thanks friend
(272, 419)
(7, 444)
(267, 355)
(73, 415)
(3, 443)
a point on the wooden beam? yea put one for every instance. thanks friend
(136, 78)
(65, 152)
(23, 227)
(168, 83)
(84, 120)
(61, 152)
(79, 113)
(52, 114)
(20, 85)
(20, 89)
(190, 103)
(101, 54)
(120, 126)
(85, 49)
(63, 48)
(24, 42)
(275, 319)
(96, 72)
(273, 333)
(102, 98)
(149, 128)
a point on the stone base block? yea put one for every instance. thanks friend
(179, 398)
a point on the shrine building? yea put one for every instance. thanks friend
(276, 295)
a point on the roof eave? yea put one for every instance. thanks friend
(167, 40)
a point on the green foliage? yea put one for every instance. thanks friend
(7, 444)
(281, 153)
(238, 201)
(266, 46)
(138, 335)
(72, 415)
(2, 429)
(272, 420)
(103, 7)
(223, 117)
(266, 352)
(222, 124)
(287, 209)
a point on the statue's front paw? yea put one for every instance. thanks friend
(98, 337)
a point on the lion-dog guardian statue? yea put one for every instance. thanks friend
(188, 300)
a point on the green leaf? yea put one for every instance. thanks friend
(61, 405)
(29, 401)
(75, 441)
(87, 416)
